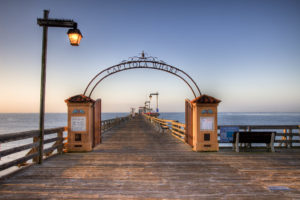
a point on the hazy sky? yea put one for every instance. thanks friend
(246, 53)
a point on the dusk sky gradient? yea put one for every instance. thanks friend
(245, 53)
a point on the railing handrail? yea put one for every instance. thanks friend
(178, 129)
(10, 137)
(263, 126)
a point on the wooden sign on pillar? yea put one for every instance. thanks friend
(205, 123)
(97, 122)
(80, 123)
(188, 122)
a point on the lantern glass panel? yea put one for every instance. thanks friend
(74, 38)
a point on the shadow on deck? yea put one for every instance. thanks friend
(135, 162)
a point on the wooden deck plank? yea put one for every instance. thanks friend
(135, 162)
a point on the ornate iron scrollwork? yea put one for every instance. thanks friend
(143, 62)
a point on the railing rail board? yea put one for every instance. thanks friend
(18, 149)
(282, 134)
(18, 161)
(53, 130)
(50, 149)
(53, 140)
(263, 126)
(178, 134)
(286, 141)
(178, 129)
(10, 137)
(178, 124)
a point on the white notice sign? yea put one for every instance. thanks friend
(78, 123)
(207, 123)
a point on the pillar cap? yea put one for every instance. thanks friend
(205, 99)
(79, 99)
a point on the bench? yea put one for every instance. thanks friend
(254, 137)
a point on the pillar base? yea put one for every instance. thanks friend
(206, 147)
(79, 147)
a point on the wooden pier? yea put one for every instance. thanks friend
(136, 162)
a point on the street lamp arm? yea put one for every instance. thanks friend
(152, 94)
(57, 23)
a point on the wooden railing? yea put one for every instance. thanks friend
(285, 134)
(176, 128)
(33, 147)
(110, 123)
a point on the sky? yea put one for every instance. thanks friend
(245, 53)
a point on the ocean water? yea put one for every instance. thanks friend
(17, 122)
(246, 118)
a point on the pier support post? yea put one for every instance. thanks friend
(205, 124)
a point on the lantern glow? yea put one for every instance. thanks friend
(74, 36)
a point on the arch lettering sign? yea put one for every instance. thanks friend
(142, 62)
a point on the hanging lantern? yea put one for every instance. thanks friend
(74, 36)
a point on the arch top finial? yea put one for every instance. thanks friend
(143, 55)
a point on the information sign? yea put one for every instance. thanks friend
(78, 123)
(206, 123)
(226, 133)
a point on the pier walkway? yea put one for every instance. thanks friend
(135, 162)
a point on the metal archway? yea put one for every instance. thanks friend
(143, 63)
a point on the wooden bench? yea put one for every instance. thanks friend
(254, 137)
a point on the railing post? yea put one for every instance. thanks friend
(176, 126)
(60, 148)
(35, 149)
(237, 138)
(272, 142)
(249, 144)
(290, 134)
(284, 137)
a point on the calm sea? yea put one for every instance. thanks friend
(12, 122)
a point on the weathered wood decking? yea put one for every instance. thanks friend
(135, 162)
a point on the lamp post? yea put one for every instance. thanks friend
(75, 37)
